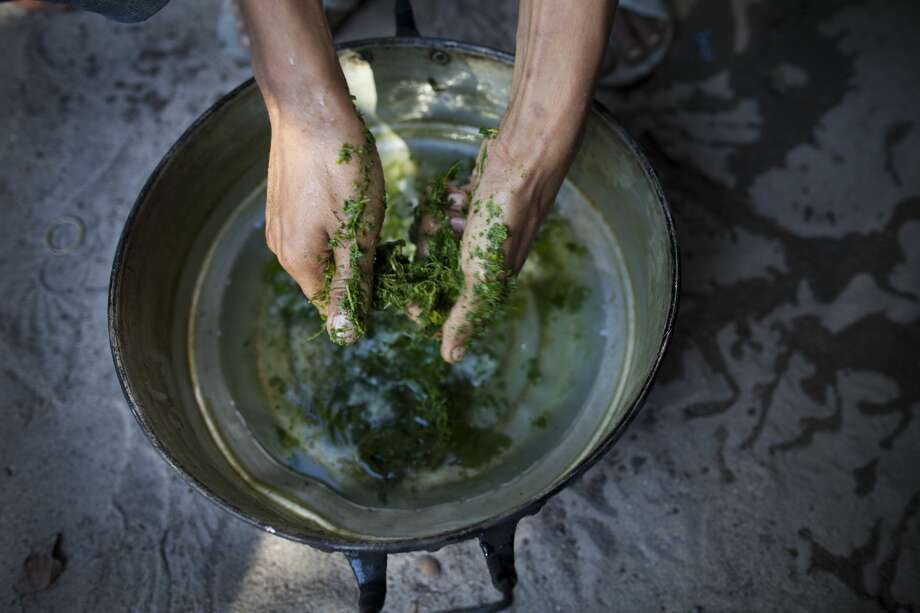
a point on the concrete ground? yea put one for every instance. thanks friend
(775, 465)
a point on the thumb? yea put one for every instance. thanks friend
(349, 293)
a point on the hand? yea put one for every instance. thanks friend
(559, 53)
(309, 182)
(507, 199)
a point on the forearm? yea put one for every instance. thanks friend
(560, 47)
(294, 61)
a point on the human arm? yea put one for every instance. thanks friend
(560, 47)
(313, 121)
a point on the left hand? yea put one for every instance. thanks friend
(559, 52)
(508, 200)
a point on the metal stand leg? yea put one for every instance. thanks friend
(370, 571)
(498, 547)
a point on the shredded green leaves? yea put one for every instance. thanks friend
(425, 287)
(492, 286)
(428, 286)
(488, 134)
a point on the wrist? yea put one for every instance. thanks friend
(536, 134)
(312, 109)
(300, 101)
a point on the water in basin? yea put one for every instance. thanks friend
(291, 407)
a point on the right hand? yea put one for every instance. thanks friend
(307, 190)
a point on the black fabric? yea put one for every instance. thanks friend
(129, 11)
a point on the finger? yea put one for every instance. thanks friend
(349, 293)
(414, 312)
(421, 231)
(458, 224)
(305, 259)
(458, 199)
(457, 330)
(428, 225)
(458, 204)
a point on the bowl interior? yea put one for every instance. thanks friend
(177, 294)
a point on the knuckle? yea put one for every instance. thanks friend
(339, 284)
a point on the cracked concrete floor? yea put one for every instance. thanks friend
(774, 468)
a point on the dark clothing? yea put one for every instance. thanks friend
(119, 10)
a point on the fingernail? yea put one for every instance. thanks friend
(457, 353)
(342, 329)
(456, 200)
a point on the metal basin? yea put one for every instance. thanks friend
(190, 238)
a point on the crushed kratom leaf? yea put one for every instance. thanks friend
(428, 286)
(488, 135)
(492, 286)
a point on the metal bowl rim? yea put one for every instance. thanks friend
(436, 541)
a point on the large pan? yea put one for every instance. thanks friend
(406, 86)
